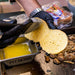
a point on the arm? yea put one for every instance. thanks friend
(29, 5)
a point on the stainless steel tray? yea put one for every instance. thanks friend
(22, 59)
(33, 48)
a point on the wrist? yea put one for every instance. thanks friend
(35, 11)
(29, 5)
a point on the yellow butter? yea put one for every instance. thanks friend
(20, 40)
(16, 50)
(1, 55)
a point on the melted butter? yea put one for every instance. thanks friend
(16, 50)
(1, 54)
(20, 40)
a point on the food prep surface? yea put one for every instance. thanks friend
(42, 67)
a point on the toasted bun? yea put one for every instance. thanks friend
(37, 34)
(52, 41)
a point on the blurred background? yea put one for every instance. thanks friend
(6, 6)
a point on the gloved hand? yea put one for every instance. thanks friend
(4, 25)
(12, 32)
(46, 17)
(4, 28)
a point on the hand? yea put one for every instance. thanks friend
(5, 28)
(46, 17)
(10, 35)
(4, 25)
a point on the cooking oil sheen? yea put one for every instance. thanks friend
(16, 50)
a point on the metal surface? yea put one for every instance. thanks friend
(3, 0)
(22, 59)
(30, 24)
(70, 30)
(28, 58)
(33, 48)
(7, 15)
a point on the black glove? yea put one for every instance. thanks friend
(12, 33)
(46, 17)
(4, 25)
(4, 28)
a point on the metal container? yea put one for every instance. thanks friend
(33, 48)
(21, 59)
(71, 7)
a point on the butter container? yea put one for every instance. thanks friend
(71, 5)
(21, 17)
(20, 59)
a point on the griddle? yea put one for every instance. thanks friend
(70, 30)
(7, 15)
